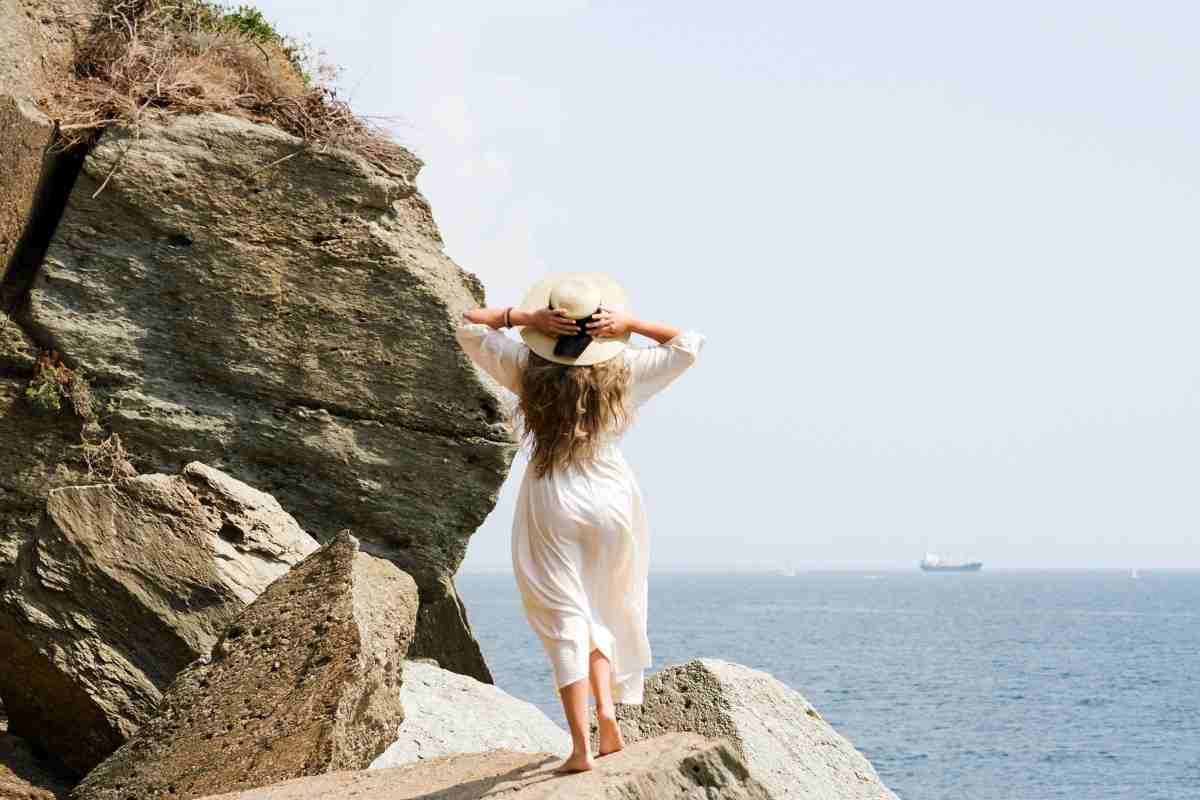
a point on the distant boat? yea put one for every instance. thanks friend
(934, 563)
(787, 571)
(1133, 573)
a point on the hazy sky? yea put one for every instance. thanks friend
(945, 253)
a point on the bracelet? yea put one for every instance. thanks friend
(508, 317)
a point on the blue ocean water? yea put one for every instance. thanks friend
(1002, 685)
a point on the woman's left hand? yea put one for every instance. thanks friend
(610, 323)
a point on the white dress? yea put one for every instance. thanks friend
(580, 544)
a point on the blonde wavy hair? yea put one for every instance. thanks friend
(565, 409)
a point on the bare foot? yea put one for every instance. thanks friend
(578, 763)
(610, 733)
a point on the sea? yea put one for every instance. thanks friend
(998, 685)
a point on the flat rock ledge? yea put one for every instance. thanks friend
(786, 744)
(674, 767)
(305, 681)
(121, 586)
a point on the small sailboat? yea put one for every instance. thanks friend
(1133, 573)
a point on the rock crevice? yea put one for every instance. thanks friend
(60, 171)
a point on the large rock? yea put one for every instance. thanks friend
(675, 767)
(305, 681)
(788, 747)
(285, 314)
(121, 587)
(26, 776)
(446, 713)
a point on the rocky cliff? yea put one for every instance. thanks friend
(281, 312)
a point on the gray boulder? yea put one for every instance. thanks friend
(287, 315)
(446, 713)
(305, 681)
(787, 746)
(121, 586)
(673, 767)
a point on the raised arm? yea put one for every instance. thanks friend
(492, 317)
(551, 321)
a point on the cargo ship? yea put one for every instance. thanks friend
(933, 563)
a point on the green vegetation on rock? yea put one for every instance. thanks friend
(242, 20)
(53, 382)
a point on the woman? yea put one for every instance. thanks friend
(579, 538)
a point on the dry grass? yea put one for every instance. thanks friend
(53, 384)
(106, 459)
(147, 60)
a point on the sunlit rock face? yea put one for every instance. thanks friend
(285, 315)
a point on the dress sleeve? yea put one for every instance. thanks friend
(653, 369)
(495, 353)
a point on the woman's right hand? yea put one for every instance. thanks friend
(551, 321)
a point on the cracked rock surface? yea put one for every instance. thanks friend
(287, 316)
(305, 681)
(121, 586)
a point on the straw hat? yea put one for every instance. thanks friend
(581, 294)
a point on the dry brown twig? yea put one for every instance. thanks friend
(107, 459)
